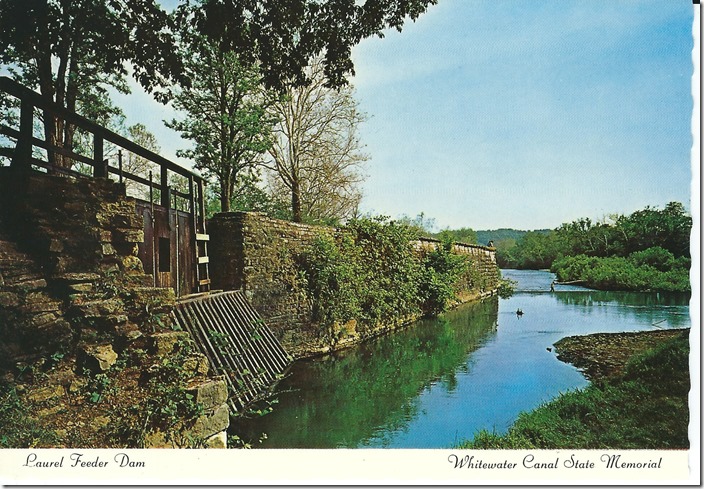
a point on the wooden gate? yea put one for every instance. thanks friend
(168, 249)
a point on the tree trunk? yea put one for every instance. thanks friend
(296, 202)
(224, 197)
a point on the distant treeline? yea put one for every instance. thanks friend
(646, 250)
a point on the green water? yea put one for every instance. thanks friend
(441, 380)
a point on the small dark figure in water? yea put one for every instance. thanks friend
(519, 313)
(552, 286)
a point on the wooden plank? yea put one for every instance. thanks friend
(203, 259)
(202, 237)
(205, 281)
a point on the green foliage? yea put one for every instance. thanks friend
(370, 273)
(283, 36)
(646, 408)
(440, 278)
(461, 235)
(168, 404)
(18, 428)
(651, 269)
(664, 232)
(99, 385)
(506, 288)
(503, 234)
(226, 116)
(647, 250)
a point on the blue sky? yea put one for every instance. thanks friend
(505, 113)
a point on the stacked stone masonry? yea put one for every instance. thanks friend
(71, 282)
(252, 253)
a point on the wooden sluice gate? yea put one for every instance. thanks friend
(237, 342)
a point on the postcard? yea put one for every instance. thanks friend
(350, 243)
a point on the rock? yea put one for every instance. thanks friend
(131, 263)
(165, 343)
(128, 331)
(210, 394)
(129, 235)
(99, 358)
(218, 440)
(44, 394)
(157, 439)
(99, 308)
(107, 249)
(78, 277)
(56, 246)
(210, 424)
(98, 423)
(8, 299)
(80, 288)
(61, 377)
(43, 413)
(197, 365)
(77, 385)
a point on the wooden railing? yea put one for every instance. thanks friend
(22, 155)
(23, 158)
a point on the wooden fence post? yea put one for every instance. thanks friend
(23, 149)
(100, 166)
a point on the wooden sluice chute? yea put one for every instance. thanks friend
(237, 342)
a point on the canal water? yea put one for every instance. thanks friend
(440, 381)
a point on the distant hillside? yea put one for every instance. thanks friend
(496, 235)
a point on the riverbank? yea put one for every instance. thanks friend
(604, 355)
(638, 398)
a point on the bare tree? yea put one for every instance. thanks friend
(316, 155)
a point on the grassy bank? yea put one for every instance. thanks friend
(641, 406)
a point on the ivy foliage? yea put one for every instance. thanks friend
(371, 273)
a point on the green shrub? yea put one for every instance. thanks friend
(652, 269)
(370, 272)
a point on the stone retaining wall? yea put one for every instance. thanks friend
(73, 288)
(252, 252)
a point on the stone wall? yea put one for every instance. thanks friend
(252, 252)
(75, 303)
(484, 264)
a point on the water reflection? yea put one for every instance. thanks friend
(342, 400)
(441, 381)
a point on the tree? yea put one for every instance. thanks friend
(316, 154)
(226, 115)
(73, 50)
(284, 36)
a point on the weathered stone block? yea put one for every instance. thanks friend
(165, 343)
(107, 249)
(99, 308)
(133, 264)
(212, 423)
(8, 299)
(99, 358)
(197, 365)
(80, 288)
(129, 235)
(211, 393)
(78, 277)
(218, 440)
